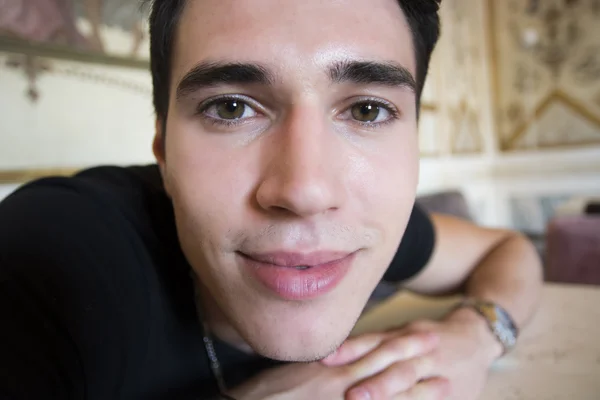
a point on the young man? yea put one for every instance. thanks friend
(286, 141)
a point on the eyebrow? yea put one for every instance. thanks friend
(209, 74)
(212, 74)
(369, 72)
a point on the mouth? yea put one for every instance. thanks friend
(298, 276)
(297, 260)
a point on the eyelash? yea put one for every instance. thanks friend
(202, 107)
(390, 108)
(201, 110)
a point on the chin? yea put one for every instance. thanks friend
(299, 351)
(295, 335)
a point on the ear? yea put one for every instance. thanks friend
(158, 144)
(159, 150)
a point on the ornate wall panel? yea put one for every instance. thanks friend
(546, 63)
(464, 74)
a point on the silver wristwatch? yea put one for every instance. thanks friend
(498, 319)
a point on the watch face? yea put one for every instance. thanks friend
(502, 325)
(505, 320)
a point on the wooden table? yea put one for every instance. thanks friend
(558, 355)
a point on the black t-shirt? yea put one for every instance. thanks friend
(96, 299)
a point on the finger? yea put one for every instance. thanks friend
(398, 348)
(430, 389)
(354, 349)
(397, 378)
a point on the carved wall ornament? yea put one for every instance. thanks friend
(545, 56)
(587, 68)
(35, 67)
(31, 67)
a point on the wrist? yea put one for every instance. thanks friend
(478, 329)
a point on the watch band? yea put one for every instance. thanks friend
(499, 321)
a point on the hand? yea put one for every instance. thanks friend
(318, 381)
(465, 352)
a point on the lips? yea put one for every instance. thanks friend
(298, 276)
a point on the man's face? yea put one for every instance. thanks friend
(292, 161)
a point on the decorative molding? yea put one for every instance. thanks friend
(19, 46)
(25, 175)
(425, 150)
(493, 68)
(34, 66)
(431, 107)
(459, 117)
(463, 71)
(555, 97)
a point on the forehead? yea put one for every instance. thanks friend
(291, 36)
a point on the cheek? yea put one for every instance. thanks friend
(384, 185)
(386, 181)
(209, 181)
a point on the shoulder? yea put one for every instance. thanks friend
(68, 207)
(74, 272)
(83, 231)
(415, 249)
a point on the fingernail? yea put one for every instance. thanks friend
(359, 394)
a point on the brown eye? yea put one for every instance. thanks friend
(366, 112)
(231, 109)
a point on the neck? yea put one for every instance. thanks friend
(212, 315)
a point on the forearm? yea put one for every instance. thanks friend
(511, 276)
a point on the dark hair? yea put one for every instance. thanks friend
(422, 17)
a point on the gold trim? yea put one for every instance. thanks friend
(19, 46)
(495, 100)
(556, 96)
(429, 107)
(457, 116)
(26, 175)
(557, 146)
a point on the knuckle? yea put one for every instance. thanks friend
(399, 345)
(407, 346)
(403, 376)
(442, 389)
(429, 360)
(436, 358)
(447, 390)
(408, 373)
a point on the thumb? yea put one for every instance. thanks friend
(354, 349)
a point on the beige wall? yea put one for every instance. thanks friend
(85, 115)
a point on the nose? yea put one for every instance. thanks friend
(303, 173)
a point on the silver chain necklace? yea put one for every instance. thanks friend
(209, 346)
(215, 365)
